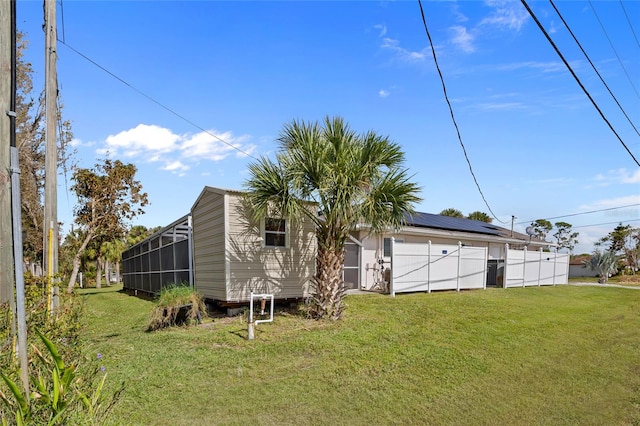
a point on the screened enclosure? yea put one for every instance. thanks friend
(161, 260)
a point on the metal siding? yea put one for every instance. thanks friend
(208, 245)
(282, 271)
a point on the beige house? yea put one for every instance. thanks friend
(225, 256)
(218, 250)
(233, 256)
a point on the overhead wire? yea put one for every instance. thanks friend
(593, 66)
(608, 223)
(615, 51)
(161, 105)
(581, 213)
(453, 118)
(584, 89)
(629, 22)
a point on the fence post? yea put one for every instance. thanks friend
(524, 266)
(459, 258)
(506, 265)
(484, 277)
(392, 290)
(429, 269)
(555, 260)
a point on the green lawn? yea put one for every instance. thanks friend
(551, 355)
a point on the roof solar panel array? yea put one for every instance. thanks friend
(428, 220)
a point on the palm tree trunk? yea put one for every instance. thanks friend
(107, 272)
(329, 285)
(99, 272)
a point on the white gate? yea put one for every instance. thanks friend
(427, 267)
(524, 268)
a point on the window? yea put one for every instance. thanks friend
(275, 232)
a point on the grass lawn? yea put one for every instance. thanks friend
(550, 355)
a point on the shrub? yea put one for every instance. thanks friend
(177, 305)
(62, 328)
(61, 396)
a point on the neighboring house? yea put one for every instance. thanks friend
(224, 255)
(577, 268)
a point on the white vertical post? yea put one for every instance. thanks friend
(251, 328)
(506, 265)
(429, 269)
(484, 276)
(459, 259)
(555, 260)
(524, 266)
(392, 290)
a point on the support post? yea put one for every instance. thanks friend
(459, 259)
(429, 269)
(392, 289)
(6, 112)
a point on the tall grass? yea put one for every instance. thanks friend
(177, 305)
(552, 355)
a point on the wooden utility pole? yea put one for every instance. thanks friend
(50, 226)
(6, 237)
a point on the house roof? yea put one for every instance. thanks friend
(449, 223)
(428, 220)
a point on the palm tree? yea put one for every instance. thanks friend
(352, 179)
(604, 263)
(451, 212)
(481, 216)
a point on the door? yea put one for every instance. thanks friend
(351, 271)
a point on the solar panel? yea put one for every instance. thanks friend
(428, 220)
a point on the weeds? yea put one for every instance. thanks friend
(177, 305)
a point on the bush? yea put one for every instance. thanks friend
(60, 395)
(62, 328)
(177, 305)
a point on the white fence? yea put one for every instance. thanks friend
(427, 267)
(524, 268)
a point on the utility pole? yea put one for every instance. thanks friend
(8, 142)
(6, 238)
(50, 226)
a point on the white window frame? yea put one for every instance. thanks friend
(264, 232)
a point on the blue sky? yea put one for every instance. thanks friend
(240, 70)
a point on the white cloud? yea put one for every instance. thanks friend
(617, 176)
(143, 138)
(509, 14)
(151, 143)
(403, 53)
(463, 39)
(176, 166)
(383, 93)
(382, 28)
(627, 200)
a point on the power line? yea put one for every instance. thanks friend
(155, 101)
(586, 92)
(453, 118)
(582, 213)
(608, 223)
(614, 49)
(629, 22)
(594, 67)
